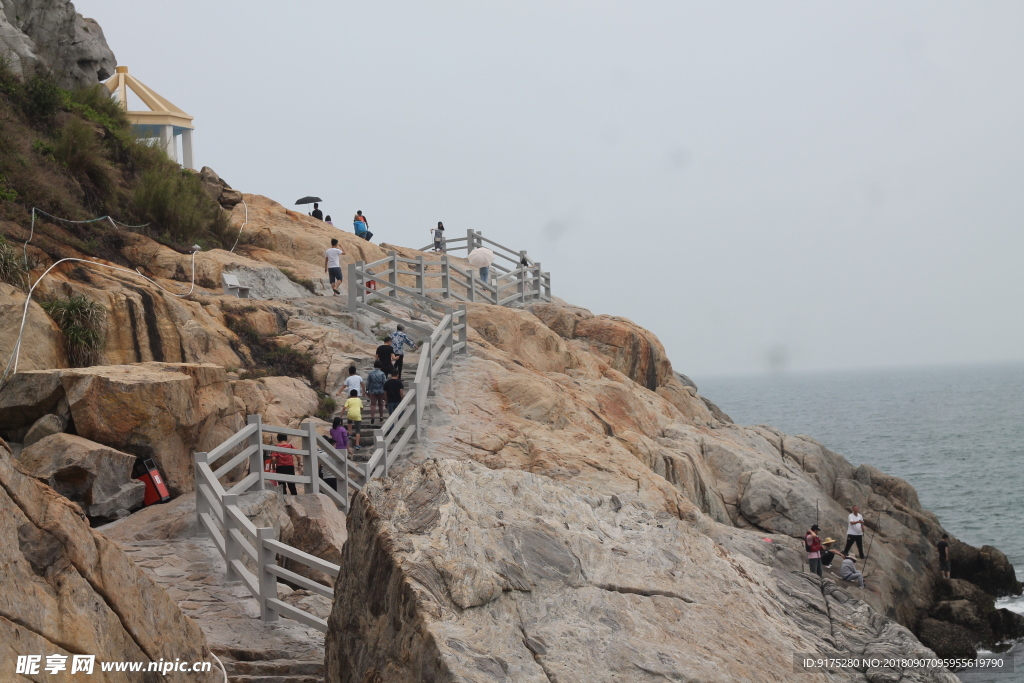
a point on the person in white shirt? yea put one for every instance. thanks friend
(353, 383)
(855, 532)
(332, 265)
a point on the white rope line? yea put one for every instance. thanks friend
(222, 669)
(16, 355)
(32, 230)
(239, 236)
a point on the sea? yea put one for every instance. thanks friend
(955, 433)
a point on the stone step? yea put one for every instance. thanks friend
(275, 671)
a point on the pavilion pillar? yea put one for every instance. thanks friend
(186, 149)
(167, 140)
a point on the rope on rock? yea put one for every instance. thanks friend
(239, 235)
(32, 230)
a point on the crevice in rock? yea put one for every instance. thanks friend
(607, 427)
(99, 591)
(64, 646)
(646, 592)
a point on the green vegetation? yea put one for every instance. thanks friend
(325, 409)
(308, 284)
(269, 359)
(12, 266)
(81, 320)
(74, 155)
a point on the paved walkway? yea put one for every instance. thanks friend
(253, 651)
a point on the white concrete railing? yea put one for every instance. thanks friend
(235, 536)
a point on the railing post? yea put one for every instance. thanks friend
(446, 277)
(267, 581)
(521, 282)
(232, 550)
(421, 402)
(547, 286)
(535, 282)
(420, 270)
(344, 469)
(470, 241)
(378, 442)
(449, 341)
(426, 353)
(464, 332)
(353, 292)
(471, 295)
(256, 459)
(311, 462)
(393, 275)
(202, 505)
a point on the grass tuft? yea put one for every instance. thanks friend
(82, 322)
(12, 266)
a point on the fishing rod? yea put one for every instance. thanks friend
(867, 555)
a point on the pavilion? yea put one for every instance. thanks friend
(163, 120)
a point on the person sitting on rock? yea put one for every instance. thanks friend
(848, 572)
(827, 554)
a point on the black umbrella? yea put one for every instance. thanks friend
(309, 200)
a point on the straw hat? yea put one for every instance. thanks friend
(828, 540)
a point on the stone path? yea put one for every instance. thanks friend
(252, 651)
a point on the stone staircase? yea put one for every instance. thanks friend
(275, 670)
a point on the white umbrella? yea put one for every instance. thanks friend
(481, 257)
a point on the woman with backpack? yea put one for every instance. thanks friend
(812, 544)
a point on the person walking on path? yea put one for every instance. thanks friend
(812, 544)
(398, 341)
(394, 391)
(361, 225)
(438, 234)
(332, 265)
(855, 532)
(484, 272)
(284, 462)
(316, 212)
(340, 436)
(353, 382)
(375, 390)
(848, 571)
(354, 411)
(944, 563)
(386, 357)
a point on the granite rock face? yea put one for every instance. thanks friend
(68, 589)
(50, 34)
(163, 411)
(455, 572)
(97, 477)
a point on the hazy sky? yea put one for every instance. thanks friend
(806, 184)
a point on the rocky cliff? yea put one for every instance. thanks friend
(50, 34)
(571, 492)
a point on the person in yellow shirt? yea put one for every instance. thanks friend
(354, 407)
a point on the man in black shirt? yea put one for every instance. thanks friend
(317, 213)
(394, 392)
(385, 354)
(944, 565)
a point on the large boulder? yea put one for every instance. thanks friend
(66, 588)
(42, 342)
(281, 401)
(27, 396)
(986, 567)
(51, 35)
(458, 572)
(316, 527)
(45, 426)
(97, 477)
(163, 411)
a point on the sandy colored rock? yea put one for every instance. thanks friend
(97, 477)
(42, 343)
(461, 573)
(281, 401)
(66, 587)
(44, 427)
(163, 411)
(318, 528)
(27, 396)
